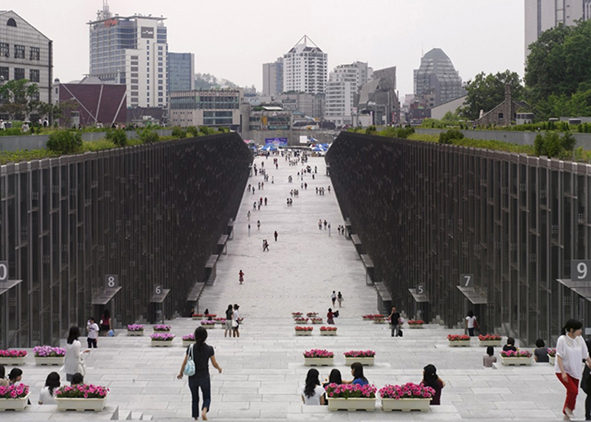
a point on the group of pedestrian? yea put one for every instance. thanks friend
(314, 393)
(341, 230)
(334, 297)
(320, 190)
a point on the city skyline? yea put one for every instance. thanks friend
(398, 35)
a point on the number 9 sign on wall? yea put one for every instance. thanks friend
(579, 270)
(111, 281)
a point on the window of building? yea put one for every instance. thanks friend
(134, 93)
(11, 22)
(134, 81)
(4, 49)
(19, 51)
(4, 73)
(134, 57)
(34, 75)
(134, 63)
(35, 52)
(134, 69)
(135, 87)
(35, 96)
(19, 73)
(134, 75)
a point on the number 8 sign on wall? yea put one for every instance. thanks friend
(111, 281)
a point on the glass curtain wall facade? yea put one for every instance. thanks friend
(151, 214)
(428, 214)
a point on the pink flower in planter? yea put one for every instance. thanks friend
(457, 337)
(162, 327)
(305, 328)
(318, 353)
(360, 354)
(13, 353)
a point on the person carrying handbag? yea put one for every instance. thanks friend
(196, 366)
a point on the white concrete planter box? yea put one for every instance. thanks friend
(551, 359)
(64, 404)
(459, 343)
(318, 361)
(58, 360)
(303, 333)
(135, 333)
(301, 322)
(352, 404)
(328, 333)
(187, 343)
(406, 405)
(363, 361)
(516, 361)
(486, 343)
(14, 404)
(317, 322)
(161, 343)
(13, 361)
(209, 326)
(377, 321)
(414, 327)
(197, 318)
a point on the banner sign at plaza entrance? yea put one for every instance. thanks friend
(276, 142)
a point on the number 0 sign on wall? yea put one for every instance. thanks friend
(580, 270)
(3, 271)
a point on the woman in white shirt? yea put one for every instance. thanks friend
(73, 362)
(47, 393)
(571, 351)
(235, 322)
(313, 392)
(471, 323)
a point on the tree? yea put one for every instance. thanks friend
(558, 68)
(485, 92)
(20, 98)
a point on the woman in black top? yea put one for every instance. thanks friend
(510, 346)
(202, 353)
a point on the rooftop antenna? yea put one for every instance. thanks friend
(106, 12)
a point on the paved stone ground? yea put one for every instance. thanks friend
(263, 369)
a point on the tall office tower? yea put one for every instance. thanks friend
(437, 76)
(181, 72)
(133, 51)
(342, 87)
(273, 78)
(541, 15)
(304, 68)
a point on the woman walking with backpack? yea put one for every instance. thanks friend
(200, 354)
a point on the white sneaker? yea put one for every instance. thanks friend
(568, 413)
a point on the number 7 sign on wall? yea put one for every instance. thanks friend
(467, 280)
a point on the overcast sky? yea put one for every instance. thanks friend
(233, 38)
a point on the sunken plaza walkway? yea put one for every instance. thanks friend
(263, 369)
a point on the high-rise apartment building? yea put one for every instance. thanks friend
(304, 68)
(181, 72)
(25, 53)
(132, 51)
(541, 15)
(273, 78)
(437, 77)
(341, 91)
